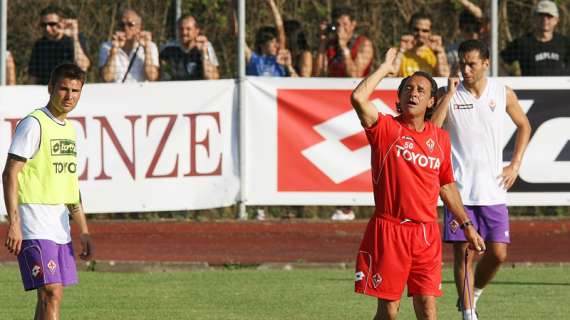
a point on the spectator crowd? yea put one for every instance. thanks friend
(284, 49)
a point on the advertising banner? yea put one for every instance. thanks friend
(145, 147)
(305, 144)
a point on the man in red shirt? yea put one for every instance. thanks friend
(342, 52)
(411, 165)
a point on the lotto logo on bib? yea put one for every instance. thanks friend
(62, 147)
(321, 143)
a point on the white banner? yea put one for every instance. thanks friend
(174, 145)
(146, 147)
(305, 145)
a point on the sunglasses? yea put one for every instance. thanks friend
(422, 30)
(51, 24)
(129, 24)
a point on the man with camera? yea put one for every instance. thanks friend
(191, 57)
(342, 52)
(131, 55)
(427, 53)
(61, 42)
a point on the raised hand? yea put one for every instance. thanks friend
(70, 28)
(389, 63)
(284, 58)
(323, 30)
(452, 84)
(202, 43)
(406, 42)
(119, 39)
(436, 43)
(145, 38)
(342, 36)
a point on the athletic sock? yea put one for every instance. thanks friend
(469, 314)
(476, 295)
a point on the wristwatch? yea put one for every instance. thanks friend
(465, 224)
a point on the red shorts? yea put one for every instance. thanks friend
(394, 253)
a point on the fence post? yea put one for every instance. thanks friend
(242, 213)
(495, 38)
(3, 39)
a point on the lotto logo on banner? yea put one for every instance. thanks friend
(321, 143)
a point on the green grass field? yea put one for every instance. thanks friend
(521, 293)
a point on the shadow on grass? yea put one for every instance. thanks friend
(519, 283)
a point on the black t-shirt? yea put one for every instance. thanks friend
(47, 54)
(177, 64)
(536, 58)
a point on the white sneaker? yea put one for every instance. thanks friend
(340, 215)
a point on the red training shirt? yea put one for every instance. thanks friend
(408, 168)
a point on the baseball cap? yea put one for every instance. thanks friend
(546, 7)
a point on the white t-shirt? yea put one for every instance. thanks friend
(476, 132)
(39, 221)
(136, 74)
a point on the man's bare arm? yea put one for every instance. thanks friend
(76, 212)
(515, 111)
(360, 97)
(281, 38)
(443, 98)
(10, 70)
(13, 166)
(107, 72)
(81, 58)
(356, 67)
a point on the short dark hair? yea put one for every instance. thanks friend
(187, 16)
(52, 9)
(418, 16)
(473, 45)
(433, 91)
(67, 70)
(264, 35)
(468, 22)
(340, 11)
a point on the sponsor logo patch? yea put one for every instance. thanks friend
(52, 266)
(465, 106)
(430, 144)
(358, 276)
(453, 226)
(62, 147)
(376, 280)
(37, 271)
(417, 158)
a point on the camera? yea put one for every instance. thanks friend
(331, 28)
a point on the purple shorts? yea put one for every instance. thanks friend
(492, 223)
(44, 261)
